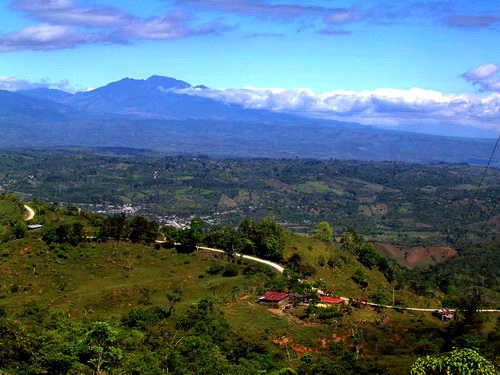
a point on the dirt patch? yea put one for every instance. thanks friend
(421, 257)
(289, 343)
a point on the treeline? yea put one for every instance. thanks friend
(366, 254)
(265, 239)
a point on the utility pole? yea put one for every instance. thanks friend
(393, 295)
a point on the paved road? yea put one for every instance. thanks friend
(31, 212)
(280, 269)
(276, 266)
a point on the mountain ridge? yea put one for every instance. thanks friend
(152, 114)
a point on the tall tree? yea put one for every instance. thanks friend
(323, 232)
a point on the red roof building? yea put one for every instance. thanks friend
(274, 297)
(330, 300)
(443, 314)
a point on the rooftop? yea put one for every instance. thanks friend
(274, 296)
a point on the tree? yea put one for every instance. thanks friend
(115, 227)
(350, 241)
(323, 232)
(269, 240)
(459, 362)
(143, 229)
(99, 347)
(368, 256)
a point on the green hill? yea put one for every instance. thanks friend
(162, 308)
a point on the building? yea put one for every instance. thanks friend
(443, 314)
(34, 226)
(279, 298)
(329, 301)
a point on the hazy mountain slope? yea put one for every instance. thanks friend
(46, 94)
(19, 108)
(151, 114)
(223, 138)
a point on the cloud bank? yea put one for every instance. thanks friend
(16, 84)
(384, 106)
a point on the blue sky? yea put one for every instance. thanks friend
(323, 46)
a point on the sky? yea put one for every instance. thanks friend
(383, 62)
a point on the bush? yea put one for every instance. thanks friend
(231, 270)
(360, 278)
(215, 269)
(141, 317)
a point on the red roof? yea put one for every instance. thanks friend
(444, 312)
(330, 300)
(274, 296)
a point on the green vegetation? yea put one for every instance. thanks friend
(323, 232)
(399, 203)
(11, 218)
(463, 361)
(89, 294)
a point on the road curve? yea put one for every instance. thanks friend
(280, 269)
(30, 211)
(276, 266)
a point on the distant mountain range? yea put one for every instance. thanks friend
(152, 114)
(153, 98)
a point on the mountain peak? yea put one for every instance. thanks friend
(167, 82)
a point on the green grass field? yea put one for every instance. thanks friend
(9, 209)
(107, 279)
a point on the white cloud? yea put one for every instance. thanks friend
(44, 37)
(482, 72)
(66, 24)
(380, 106)
(483, 77)
(16, 84)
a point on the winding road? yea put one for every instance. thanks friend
(281, 269)
(30, 213)
(276, 266)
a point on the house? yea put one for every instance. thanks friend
(443, 314)
(279, 298)
(34, 226)
(329, 301)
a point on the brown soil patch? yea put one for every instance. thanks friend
(287, 342)
(421, 257)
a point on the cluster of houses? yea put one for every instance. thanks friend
(284, 300)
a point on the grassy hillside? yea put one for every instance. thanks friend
(107, 279)
(147, 293)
